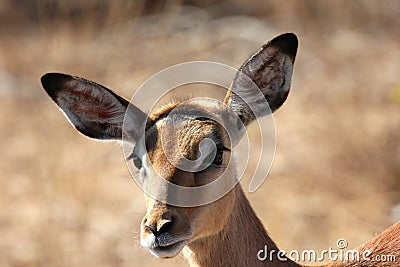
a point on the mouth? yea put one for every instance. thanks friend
(168, 251)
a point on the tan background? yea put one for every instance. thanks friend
(68, 201)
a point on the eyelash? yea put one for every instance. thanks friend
(219, 157)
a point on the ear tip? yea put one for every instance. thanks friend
(52, 77)
(287, 43)
(52, 81)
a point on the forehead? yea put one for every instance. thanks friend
(184, 127)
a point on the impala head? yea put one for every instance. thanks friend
(176, 132)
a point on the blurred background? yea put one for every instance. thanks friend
(69, 201)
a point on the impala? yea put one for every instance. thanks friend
(226, 232)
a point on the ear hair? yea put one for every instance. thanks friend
(270, 69)
(94, 110)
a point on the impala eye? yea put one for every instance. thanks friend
(136, 161)
(219, 157)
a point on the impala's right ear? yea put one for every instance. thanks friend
(94, 110)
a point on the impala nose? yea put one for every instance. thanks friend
(161, 226)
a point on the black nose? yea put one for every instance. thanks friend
(160, 227)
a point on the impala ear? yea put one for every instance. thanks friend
(94, 110)
(270, 69)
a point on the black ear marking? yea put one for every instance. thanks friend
(287, 43)
(52, 83)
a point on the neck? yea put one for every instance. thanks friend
(238, 243)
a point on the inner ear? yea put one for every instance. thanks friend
(270, 69)
(93, 109)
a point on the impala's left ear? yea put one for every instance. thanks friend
(271, 70)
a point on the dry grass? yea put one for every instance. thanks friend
(68, 201)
